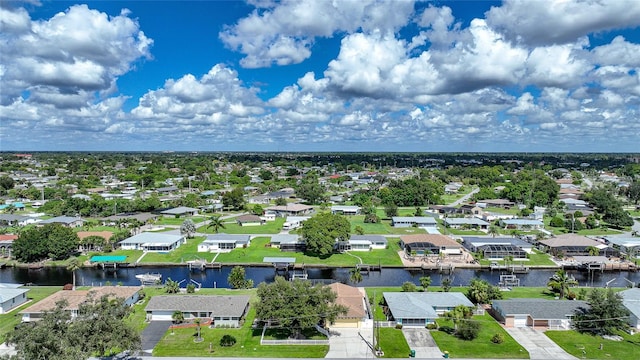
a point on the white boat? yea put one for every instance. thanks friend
(150, 278)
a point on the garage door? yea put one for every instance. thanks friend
(520, 321)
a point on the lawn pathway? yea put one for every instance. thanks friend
(357, 257)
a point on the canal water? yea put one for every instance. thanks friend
(211, 278)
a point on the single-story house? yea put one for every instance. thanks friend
(180, 211)
(409, 221)
(574, 244)
(11, 296)
(470, 223)
(424, 244)
(345, 210)
(294, 222)
(224, 242)
(288, 242)
(471, 209)
(626, 245)
(152, 241)
(75, 298)
(551, 314)
(421, 308)
(68, 221)
(144, 218)
(498, 248)
(362, 243)
(6, 243)
(501, 203)
(223, 310)
(353, 299)
(15, 220)
(290, 210)
(631, 300)
(249, 220)
(522, 224)
(106, 235)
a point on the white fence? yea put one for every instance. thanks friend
(290, 341)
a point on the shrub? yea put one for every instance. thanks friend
(398, 326)
(468, 330)
(432, 326)
(191, 289)
(497, 339)
(447, 329)
(227, 340)
(67, 287)
(408, 286)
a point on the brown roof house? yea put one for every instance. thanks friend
(354, 300)
(75, 298)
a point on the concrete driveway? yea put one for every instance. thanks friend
(538, 344)
(152, 334)
(420, 340)
(347, 344)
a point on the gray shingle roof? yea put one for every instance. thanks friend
(539, 308)
(631, 300)
(416, 305)
(219, 305)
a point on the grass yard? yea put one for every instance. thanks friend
(36, 293)
(482, 345)
(185, 252)
(181, 343)
(256, 252)
(599, 231)
(393, 343)
(231, 227)
(383, 227)
(588, 346)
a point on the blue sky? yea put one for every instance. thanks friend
(316, 75)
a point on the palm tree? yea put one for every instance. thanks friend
(493, 230)
(425, 281)
(215, 222)
(560, 281)
(593, 251)
(355, 275)
(198, 321)
(177, 316)
(72, 266)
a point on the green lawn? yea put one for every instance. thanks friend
(177, 221)
(255, 253)
(599, 231)
(383, 227)
(36, 293)
(393, 343)
(588, 346)
(184, 253)
(482, 345)
(231, 227)
(180, 342)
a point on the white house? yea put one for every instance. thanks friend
(345, 210)
(223, 310)
(363, 243)
(294, 222)
(11, 296)
(150, 241)
(223, 242)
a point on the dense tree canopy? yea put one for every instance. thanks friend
(605, 313)
(296, 304)
(531, 187)
(310, 190)
(322, 231)
(234, 199)
(611, 209)
(100, 328)
(50, 241)
(481, 292)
